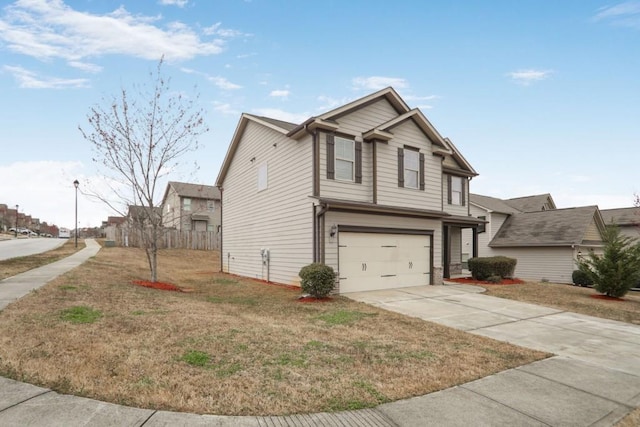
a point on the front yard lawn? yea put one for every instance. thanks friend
(230, 345)
(571, 298)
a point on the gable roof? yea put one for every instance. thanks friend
(328, 121)
(492, 204)
(556, 227)
(194, 191)
(621, 216)
(531, 203)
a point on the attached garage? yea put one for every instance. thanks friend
(384, 260)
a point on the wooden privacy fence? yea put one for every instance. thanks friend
(170, 239)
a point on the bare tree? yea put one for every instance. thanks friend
(137, 140)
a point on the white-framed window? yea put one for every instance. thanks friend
(168, 208)
(211, 206)
(411, 168)
(345, 157)
(186, 204)
(456, 190)
(262, 177)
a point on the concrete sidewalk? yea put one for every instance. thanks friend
(594, 380)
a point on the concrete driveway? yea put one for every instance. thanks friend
(594, 380)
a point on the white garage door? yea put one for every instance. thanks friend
(370, 261)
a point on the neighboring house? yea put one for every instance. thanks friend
(189, 207)
(627, 219)
(546, 241)
(111, 226)
(139, 215)
(370, 188)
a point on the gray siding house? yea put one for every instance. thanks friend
(369, 188)
(191, 207)
(546, 241)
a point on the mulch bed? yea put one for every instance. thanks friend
(158, 285)
(471, 281)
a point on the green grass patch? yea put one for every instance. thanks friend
(80, 314)
(343, 317)
(196, 358)
(68, 288)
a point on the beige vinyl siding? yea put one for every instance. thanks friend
(451, 208)
(278, 218)
(553, 264)
(592, 233)
(171, 217)
(389, 193)
(455, 239)
(346, 218)
(346, 190)
(495, 222)
(355, 124)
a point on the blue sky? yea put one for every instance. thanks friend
(539, 96)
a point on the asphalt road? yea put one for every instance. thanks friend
(22, 247)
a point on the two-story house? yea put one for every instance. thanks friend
(189, 207)
(370, 188)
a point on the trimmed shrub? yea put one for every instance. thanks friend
(318, 279)
(485, 267)
(581, 278)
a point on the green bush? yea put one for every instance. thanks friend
(485, 267)
(581, 278)
(618, 269)
(318, 279)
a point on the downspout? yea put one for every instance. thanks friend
(315, 190)
(319, 229)
(221, 233)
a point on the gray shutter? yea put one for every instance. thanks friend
(421, 171)
(331, 157)
(449, 189)
(400, 167)
(358, 146)
(464, 191)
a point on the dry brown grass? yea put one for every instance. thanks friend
(260, 350)
(631, 420)
(13, 266)
(571, 298)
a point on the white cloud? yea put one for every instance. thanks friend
(626, 14)
(217, 30)
(378, 82)
(526, 77)
(220, 82)
(275, 113)
(225, 109)
(30, 80)
(179, 3)
(283, 93)
(51, 29)
(85, 66)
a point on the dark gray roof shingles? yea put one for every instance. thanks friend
(556, 227)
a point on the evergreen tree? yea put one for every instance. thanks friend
(618, 268)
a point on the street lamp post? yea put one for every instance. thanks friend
(75, 184)
(16, 230)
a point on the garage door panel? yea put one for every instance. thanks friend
(369, 261)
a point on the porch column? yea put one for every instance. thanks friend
(475, 242)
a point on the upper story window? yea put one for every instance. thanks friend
(186, 204)
(344, 159)
(410, 168)
(211, 205)
(457, 190)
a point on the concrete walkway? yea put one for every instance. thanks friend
(594, 380)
